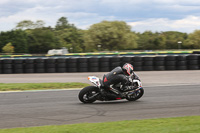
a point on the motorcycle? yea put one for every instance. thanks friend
(90, 94)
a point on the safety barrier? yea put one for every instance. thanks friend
(99, 64)
(135, 53)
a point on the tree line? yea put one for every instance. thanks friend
(34, 37)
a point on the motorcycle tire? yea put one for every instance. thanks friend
(136, 97)
(88, 92)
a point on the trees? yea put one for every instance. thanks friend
(146, 40)
(160, 41)
(163, 40)
(63, 23)
(110, 35)
(34, 37)
(4, 39)
(19, 41)
(8, 48)
(73, 40)
(173, 37)
(41, 40)
(18, 38)
(28, 24)
(193, 40)
(69, 36)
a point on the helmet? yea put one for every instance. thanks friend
(128, 69)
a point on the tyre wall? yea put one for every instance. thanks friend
(99, 64)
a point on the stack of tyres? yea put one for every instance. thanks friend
(83, 64)
(170, 62)
(18, 66)
(50, 65)
(104, 64)
(192, 62)
(0, 66)
(159, 63)
(137, 63)
(93, 64)
(39, 65)
(7, 67)
(181, 62)
(126, 59)
(61, 65)
(115, 62)
(147, 64)
(29, 66)
(72, 64)
(196, 52)
(199, 61)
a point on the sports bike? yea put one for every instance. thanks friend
(90, 94)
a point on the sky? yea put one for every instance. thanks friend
(141, 15)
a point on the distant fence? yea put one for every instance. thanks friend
(99, 64)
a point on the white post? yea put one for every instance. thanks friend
(179, 44)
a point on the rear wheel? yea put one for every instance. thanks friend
(87, 94)
(135, 96)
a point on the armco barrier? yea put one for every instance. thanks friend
(99, 64)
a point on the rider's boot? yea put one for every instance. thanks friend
(117, 92)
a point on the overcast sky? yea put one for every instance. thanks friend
(142, 15)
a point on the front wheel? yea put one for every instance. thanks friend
(135, 96)
(87, 94)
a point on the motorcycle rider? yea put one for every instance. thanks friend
(120, 78)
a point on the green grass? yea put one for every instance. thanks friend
(39, 86)
(190, 124)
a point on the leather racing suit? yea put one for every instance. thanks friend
(116, 80)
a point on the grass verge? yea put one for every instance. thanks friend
(189, 124)
(39, 86)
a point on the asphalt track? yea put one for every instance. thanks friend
(175, 94)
